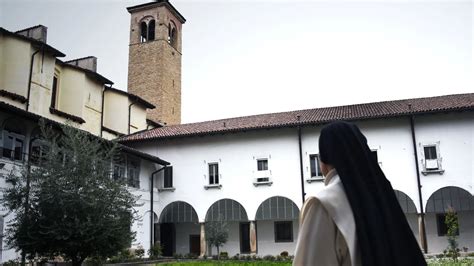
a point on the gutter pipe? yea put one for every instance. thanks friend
(151, 205)
(424, 244)
(303, 194)
(30, 78)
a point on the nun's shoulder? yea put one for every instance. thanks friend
(311, 202)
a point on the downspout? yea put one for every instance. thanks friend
(102, 110)
(129, 115)
(30, 78)
(151, 205)
(303, 194)
(424, 245)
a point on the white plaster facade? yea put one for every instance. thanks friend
(237, 153)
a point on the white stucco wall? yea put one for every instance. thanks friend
(237, 153)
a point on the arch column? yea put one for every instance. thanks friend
(422, 232)
(203, 243)
(253, 238)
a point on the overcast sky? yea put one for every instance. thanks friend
(251, 57)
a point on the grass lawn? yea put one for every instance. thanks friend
(464, 262)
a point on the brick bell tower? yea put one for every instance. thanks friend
(154, 63)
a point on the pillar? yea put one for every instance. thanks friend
(253, 238)
(203, 241)
(422, 232)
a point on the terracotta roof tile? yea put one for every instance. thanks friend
(456, 102)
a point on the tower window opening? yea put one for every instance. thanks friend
(172, 35)
(143, 32)
(151, 30)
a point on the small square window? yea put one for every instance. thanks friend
(314, 165)
(168, 177)
(430, 152)
(262, 164)
(284, 231)
(213, 174)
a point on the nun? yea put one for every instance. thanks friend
(356, 219)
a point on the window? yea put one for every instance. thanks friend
(143, 32)
(441, 224)
(119, 172)
(54, 91)
(133, 173)
(172, 34)
(151, 30)
(38, 150)
(13, 142)
(168, 177)
(213, 174)
(314, 165)
(147, 31)
(432, 160)
(284, 231)
(431, 157)
(262, 164)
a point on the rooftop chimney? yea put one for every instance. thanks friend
(89, 63)
(37, 32)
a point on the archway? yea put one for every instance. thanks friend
(234, 215)
(277, 223)
(178, 229)
(436, 207)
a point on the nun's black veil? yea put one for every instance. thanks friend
(383, 234)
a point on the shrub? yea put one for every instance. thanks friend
(155, 251)
(224, 255)
(284, 254)
(269, 257)
(452, 224)
(139, 252)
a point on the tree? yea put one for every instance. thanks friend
(217, 234)
(452, 224)
(67, 204)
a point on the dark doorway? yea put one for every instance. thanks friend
(244, 238)
(167, 235)
(195, 244)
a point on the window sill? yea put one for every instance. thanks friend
(315, 179)
(218, 186)
(265, 183)
(73, 118)
(170, 189)
(427, 172)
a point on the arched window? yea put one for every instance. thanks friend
(143, 32)
(151, 30)
(147, 31)
(172, 34)
(13, 141)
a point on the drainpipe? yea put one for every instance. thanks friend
(151, 205)
(303, 194)
(102, 109)
(129, 115)
(29, 78)
(422, 232)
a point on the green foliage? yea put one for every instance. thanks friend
(217, 233)
(68, 204)
(139, 252)
(453, 227)
(269, 257)
(284, 254)
(155, 251)
(224, 255)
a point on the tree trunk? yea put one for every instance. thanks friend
(218, 253)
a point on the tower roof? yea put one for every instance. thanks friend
(158, 3)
